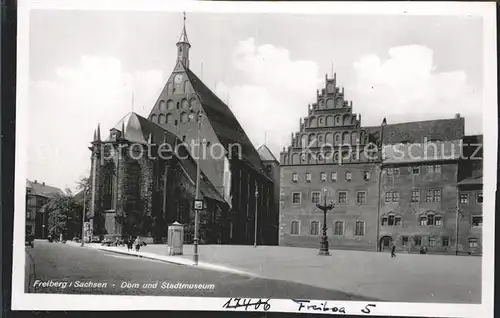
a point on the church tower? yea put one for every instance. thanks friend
(183, 46)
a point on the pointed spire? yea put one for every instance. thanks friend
(384, 122)
(98, 132)
(184, 38)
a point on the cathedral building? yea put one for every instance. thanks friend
(405, 184)
(239, 184)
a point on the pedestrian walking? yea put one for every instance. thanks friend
(393, 250)
(137, 244)
(130, 243)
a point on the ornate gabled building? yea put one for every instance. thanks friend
(391, 184)
(242, 186)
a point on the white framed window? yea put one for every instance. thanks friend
(437, 169)
(359, 229)
(479, 197)
(392, 196)
(333, 176)
(295, 228)
(342, 197)
(361, 197)
(473, 242)
(296, 197)
(295, 177)
(338, 228)
(438, 220)
(433, 195)
(477, 221)
(415, 195)
(366, 175)
(323, 176)
(423, 221)
(315, 196)
(308, 177)
(348, 176)
(464, 198)
(314, 228)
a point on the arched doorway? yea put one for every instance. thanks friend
(385, 243)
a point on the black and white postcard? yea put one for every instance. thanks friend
(303, 157)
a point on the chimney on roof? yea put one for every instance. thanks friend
(35, 182)
(457, 115)
(43, 184)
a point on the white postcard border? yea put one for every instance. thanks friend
(22, 301)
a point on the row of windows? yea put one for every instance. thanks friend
(432, 241)
(424, 220)
(319, 139)
(338, 228)
(342, 197)
(333, 176)
(416, 170)
(330, 121)
(433, 169)
(169, 118)
(464, 197)
(431, 195)
(359, 230)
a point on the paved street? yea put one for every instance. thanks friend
(408, 277)
(71, 264)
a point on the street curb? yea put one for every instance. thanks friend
(208, 266)
(202, 265)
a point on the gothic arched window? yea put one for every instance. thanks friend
(161, 118)
(163, 106)
(170, 105)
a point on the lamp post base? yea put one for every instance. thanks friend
(323, 250)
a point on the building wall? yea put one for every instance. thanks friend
(467, 230)
(349, 213)
(410, 212)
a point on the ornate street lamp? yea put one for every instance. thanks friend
(199, 119)
(323, 250)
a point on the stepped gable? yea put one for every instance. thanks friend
(139, 129)
(415, 132)
(226, 126)
(266, 154)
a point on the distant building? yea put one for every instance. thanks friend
(237, 183)
(407, 194)
(37, 195)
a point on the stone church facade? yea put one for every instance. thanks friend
(238, 185)
(395, 184)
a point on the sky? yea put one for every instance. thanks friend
(90, 67)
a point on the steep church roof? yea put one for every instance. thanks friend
(224, 123)
(137, 129)
(266, 154)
